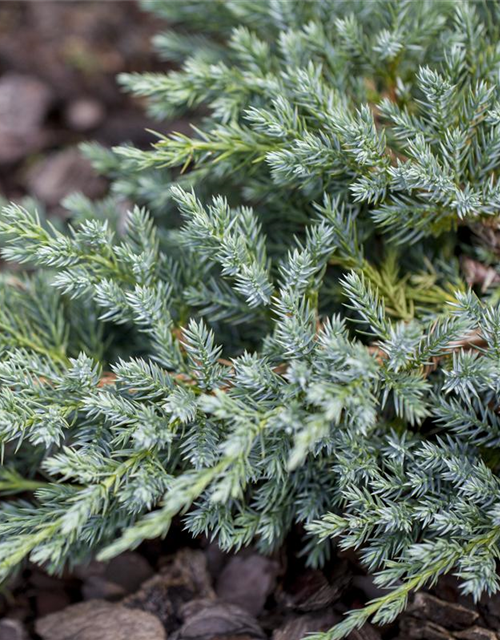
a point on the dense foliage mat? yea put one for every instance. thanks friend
(290, 336)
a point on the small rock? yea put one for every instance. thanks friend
(84, 114)
(129, 570)
(207, 620)
(98, 588)
(247, 581)
(445, 614)
(24, 103)
(413, 629)
(64, 172)
(11, 629)
(100, 620)
(476, 633)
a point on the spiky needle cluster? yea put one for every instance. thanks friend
(289, 336)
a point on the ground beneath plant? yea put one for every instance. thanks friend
(58, 63)
(57, 67)
(168, 590)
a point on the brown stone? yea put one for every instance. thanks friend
(206, 620)
(100, 620)
(84, 114)
(247, 580)
(24, 103)
(11, 629)
(61, 173)
(97, 588)
(413, 629)
(445, 614)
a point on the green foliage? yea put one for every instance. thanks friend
(288, 336)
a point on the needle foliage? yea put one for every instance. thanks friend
(285, 330)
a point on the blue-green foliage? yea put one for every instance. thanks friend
(288, 336)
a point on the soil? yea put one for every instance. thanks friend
(58, 61)
(184, 589)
